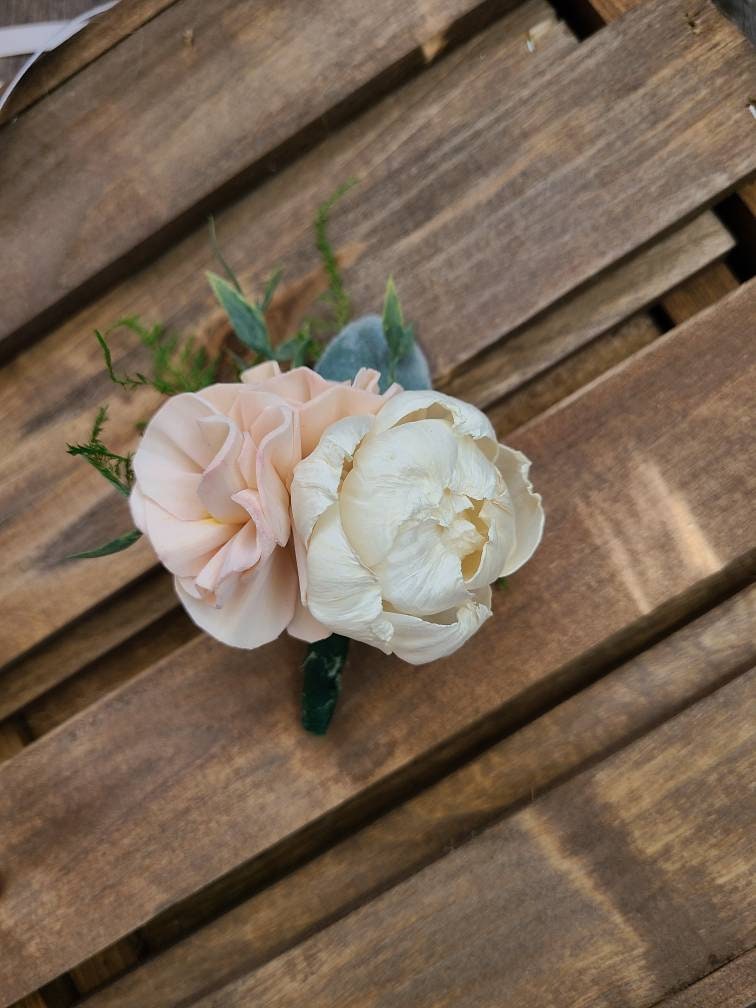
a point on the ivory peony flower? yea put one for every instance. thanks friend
(405, 518)
(213, 472)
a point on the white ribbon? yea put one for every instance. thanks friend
(41, 38)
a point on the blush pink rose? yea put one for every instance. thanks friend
(213, 472)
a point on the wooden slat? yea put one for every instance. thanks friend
(155, 127)
(576, 320)
(100, 35)
(617, 888)
(38, 416)
(480, 115)
(699, 292)
(615, 710)
(572, 374)
(124, 616)
(731, 986)
(648, 504)
(109, 671)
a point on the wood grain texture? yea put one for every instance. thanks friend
(731, 986)
(147, 133)
(576, 320)
(643, 529)
(38, 416)
(100, 35)
(85, 642)
(572, 374)
(477, 112)
(700, 291)
(605, 892)
(108, 671)
(618, 708)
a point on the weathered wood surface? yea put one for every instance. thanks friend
(97, 633)
(731, 986)
(617, 888)
(390, 225)
(157, 125)
(101, 34)
(641, 529)
(594, 309)
(614, 711)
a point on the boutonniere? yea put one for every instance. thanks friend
(328, 491)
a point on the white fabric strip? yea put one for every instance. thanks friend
(49, 35)
(22, 39)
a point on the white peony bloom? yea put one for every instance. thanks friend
(404, 519)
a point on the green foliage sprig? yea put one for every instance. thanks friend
(336, 296)
(399, 337)
(177, 366)
(116, 469)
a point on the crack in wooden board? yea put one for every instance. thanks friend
(389, 217)
(606, 716)
(642, 529)
(607, 891)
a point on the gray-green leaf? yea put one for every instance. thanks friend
(246, 319)
(115, 546)
(363, 343)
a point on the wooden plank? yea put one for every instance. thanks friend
(389, 225)
(109, 671)
(617, 888)
(658, 512)
(13, 738)
(38, 416)
(118, 620)
(100, 35)
(731, 986)
(155, 127)
(572, 374)
(593, 310)
(630, 701)
(699, 292)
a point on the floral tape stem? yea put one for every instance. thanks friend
(322, 682)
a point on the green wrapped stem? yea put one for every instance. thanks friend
(322, 682)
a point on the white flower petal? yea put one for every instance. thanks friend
(465, 419)
(318, 477)
(498, 516)
(528, 509)
(342, 594)
(260, 606)
(418, 641)
(420, 575)
(398, 475)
